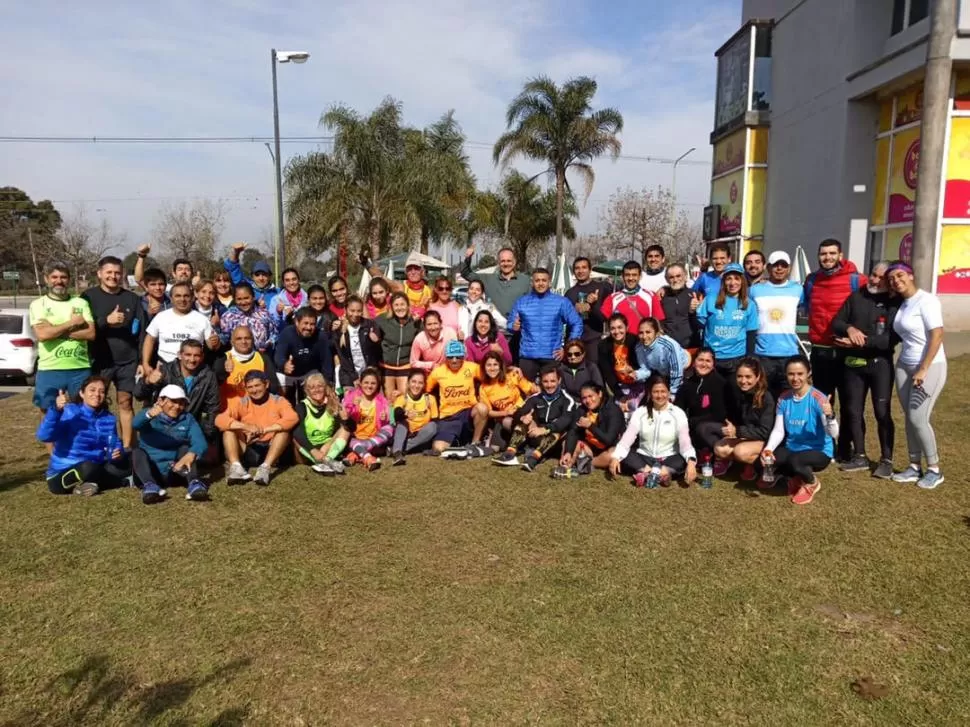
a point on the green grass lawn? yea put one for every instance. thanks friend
(447, 592)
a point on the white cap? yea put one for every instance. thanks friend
(171, 391)
(779, 256)
(413, 260)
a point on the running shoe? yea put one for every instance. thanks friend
(507, 459)
(884, 470)
(371, 463)
(454, 453)
(806, 493)
(640, 479)
(399, 460)
(721, 466)
(351, 459)
(750, 474)
(336, 466)
(911, 474)
(197, 491)
(237, 474)
(151, 493)
(87, 489)
(477, 450)
(794, 485)
(530, 464)
(431, 453)
(931, 480)
(262, 475)
(324, 468)
(858, 463)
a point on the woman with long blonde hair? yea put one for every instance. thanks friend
(321, 435)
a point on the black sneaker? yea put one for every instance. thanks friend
(530, 464)
(507, 459)
(858, 463)
(398, 459)
(884, 470)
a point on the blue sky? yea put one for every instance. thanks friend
(199, 69)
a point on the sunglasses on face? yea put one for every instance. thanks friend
(444, 288)
(455, 358)
(574, 354)
(780, 265)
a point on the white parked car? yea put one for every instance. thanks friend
(18, 345)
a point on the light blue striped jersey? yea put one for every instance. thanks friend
(777, 317)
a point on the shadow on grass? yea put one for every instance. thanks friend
(19, 479)
(94, 689)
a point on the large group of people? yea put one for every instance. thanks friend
(663, 379)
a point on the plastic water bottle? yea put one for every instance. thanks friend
(653, 479)
(582, 299)
(881, 325)
(707, 473)
(768, 469)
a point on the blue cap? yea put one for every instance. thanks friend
(733, 268)
(261, 266)
(454, 349)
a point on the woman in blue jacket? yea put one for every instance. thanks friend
(87, 455)
(170, 443)
(660, 354)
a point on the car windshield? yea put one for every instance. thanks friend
(11, 324)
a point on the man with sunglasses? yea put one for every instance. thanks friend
(459, 410)
(777, 299)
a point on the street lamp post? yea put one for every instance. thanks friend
(673, 191)
(275, 57)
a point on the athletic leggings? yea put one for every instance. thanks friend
(360, 447)
(876, 379)
(917, 403)
(540, 445)
(146, 469)
(105, 474)
(801, 464)
(404, 441)
(705, 435)
(636, 462)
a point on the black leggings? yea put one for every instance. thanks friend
(705, 435)
(828, 376)
(105, 474)
(636, 462)
(801, 464)
(147, 471)
(531, 367)
(876, 379)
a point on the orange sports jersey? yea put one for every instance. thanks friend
(367, 422)
(499, 397)
(589, 436)
(622, 359)
(419, 299)
(456, 389)
(425, 409)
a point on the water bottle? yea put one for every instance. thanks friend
(768, 469)
(582, 299)
(653, 479)
(707, 473)
(881, 325)
(111, 446)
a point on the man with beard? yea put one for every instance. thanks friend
(586, 296)
(182, 270)
(119, 320)
(654, 275)
(680, 323)
(863, 328)
(302, 349)
(754, 267)
(63, 324)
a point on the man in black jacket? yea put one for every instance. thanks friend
(190, 373)
(540, 422)
(680, 321)
(302, 349)
(863, 329)
(587, 296)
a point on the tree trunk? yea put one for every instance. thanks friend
(375, 240)
(560, 194)
(425, 239)
(342, 251)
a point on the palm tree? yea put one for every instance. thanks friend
(557, 126)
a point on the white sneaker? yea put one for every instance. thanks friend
(336, 466)
(323, 468)
(262, 475)
(910, 474)
(237, 474)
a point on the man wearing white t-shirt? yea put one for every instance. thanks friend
(170, 327)
(654, 275)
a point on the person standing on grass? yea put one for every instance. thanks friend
(596, 429)
(660, 431)
(419, 294)
(377, 303)
(288, 301)
(709, 281)
(654, 275)
(416, 414)
(863, 329)
(119, 322)
(800, 443)
(462, 416)
(170, 443)
(679, 305)
(729, 321)
(302, 350)
(502, 393)
(702, 397)
(587, 296)
(324, 427)
(370, 419)
(475, 304)
(255, 431)
(336, 311)
(503, 287)
(920, 373)
(826, 290)
(428, 349)
(539, 318)
(86, 454)
(261, 283)
(632, 301)
(169, 328)
(659, 354)
(317, 301)
(156, 298)
(754, 267)
(182, 270)
(246, 312)
(447, 308)
(397, 332)
(744, 441)
(223, 285)
(540, 423)
(208, 303)
(777, 301)
(64, 326)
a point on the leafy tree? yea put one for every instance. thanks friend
(20, 215)
(251, 256)
(558, 127)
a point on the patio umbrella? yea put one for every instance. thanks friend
(562, 276)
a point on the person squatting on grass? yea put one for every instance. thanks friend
(540, 423)
(372, 422)
(416, 414)
(596, 429)
(87, 456)
(461, 413)
(503, 391)
(702, 397)
(756, 406)
(170, 442)
(662, 435)
(323, 428)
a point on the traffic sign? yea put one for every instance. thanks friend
(11, 275)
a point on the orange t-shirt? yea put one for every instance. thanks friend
(425, 409)
(275, 410)
(499, 397)
(456, 389)
(621, 359)
(367, 420)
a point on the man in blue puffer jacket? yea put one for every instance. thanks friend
(87, 455)
(171, 442)
(539, 317)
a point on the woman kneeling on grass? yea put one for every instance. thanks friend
(87, 456)
(321, 435)
(590, 441)
(661, 432)
(743, 442)
(372, 420)
(416, 414)
(806, 424)
(170, 443)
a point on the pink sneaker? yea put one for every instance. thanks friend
(721, 466)
(749, 473)
(639, 479)
(806, 493)
(794, 485)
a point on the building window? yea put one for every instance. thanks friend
(907, 13)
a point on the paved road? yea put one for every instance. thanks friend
(6, 391)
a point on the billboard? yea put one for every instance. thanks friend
(728, 193)
(902, 176)
(899, 244)
(882, 182)
(753, 224)
(729, 153)
(733, 70)
(953, 275)
(956, 199)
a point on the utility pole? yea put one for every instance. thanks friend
(936, 101)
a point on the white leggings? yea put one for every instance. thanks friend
(917, 403)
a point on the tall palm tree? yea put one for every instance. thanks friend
(557, 126)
